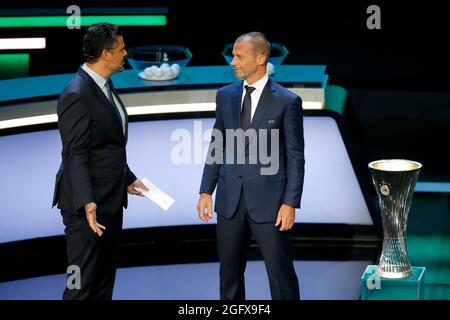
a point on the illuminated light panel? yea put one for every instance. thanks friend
(22, 43)
(137, 110)
(61, 21)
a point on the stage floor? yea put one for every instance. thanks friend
(319, 280)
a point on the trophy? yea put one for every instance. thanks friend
(394, 181)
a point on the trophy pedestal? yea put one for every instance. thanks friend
(374, 287)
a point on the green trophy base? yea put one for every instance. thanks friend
(374, 287)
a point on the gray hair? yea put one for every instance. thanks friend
(259, 42)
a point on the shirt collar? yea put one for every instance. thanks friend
(99, 80)
(258, 85)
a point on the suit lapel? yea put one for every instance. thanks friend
(263, 105)
(236, 105)
(99, 94)
(125, 113)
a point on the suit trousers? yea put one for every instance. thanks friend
(233, 240)
(95, 256)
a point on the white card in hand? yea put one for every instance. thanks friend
(156, 195)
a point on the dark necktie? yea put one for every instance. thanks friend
(246, 111)
(110, 87)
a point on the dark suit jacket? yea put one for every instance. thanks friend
(278, 108)
(94, 162)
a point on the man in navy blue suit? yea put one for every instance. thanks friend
(252, 198)
(94, 177)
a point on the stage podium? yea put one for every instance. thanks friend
(374, 287)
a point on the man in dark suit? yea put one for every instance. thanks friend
(251, 198)
(93, 179)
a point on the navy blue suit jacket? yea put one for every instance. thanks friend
(94, 164)
(280, 109)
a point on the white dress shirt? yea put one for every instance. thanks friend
(101, 82)
(256, 94)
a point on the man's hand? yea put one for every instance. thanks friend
(91, 216)
(136, 184)
(205, 202)
(286, 217)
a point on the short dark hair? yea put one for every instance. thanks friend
(99, 37)
(259, 42)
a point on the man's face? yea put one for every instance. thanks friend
(117, 56)
(245, 60)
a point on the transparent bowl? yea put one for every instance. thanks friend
(277, 55)
(142, 57)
